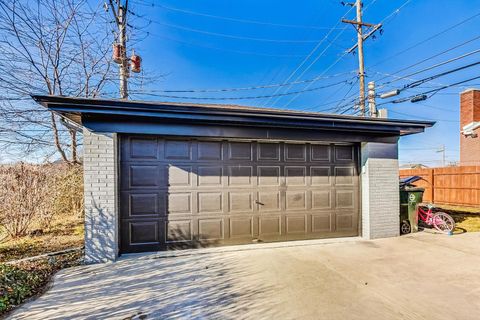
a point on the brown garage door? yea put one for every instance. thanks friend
(184, 193)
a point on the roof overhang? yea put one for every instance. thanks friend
(103, 114)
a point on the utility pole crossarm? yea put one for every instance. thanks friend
(365, 37)
(358, 23)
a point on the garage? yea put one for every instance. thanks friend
(168, 176)
(189, 192)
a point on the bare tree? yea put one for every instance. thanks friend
(55, 47)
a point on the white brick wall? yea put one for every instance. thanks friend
(101, 208)
(380, 196)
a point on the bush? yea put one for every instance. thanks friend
(33, 195)
(17, 284)
(26, 279)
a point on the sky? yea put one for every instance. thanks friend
(213, 44)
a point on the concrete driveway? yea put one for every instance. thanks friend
(421, 276)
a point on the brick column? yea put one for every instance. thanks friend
(101, 207)
(380, 191)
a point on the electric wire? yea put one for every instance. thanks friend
(310, 55)
(233, 89)
(432, 92)
(237, 98)
(247, 21)
(428, 39)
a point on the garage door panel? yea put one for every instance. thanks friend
(240, 175)
(295, 152)
(240, 202)
(268, 151)
(321, 199)
(344, 153)
(344, 176)
(179, 231)
(296, 224)
(210, 202)
(142, 204)
(268, 201)
(240, 151)
(269, 226)
(296, 200)
(210, 176)
(295, 175)
(322, 222)
(216, 192)
(320, 175)
(179, 176)
(211, 229)
(345, 199)
(268, 175)
(345, 222)
(320, 153)
(210, 150)
(178, 150)
(242, 227)
(180, 203)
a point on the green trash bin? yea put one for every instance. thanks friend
(409, 198)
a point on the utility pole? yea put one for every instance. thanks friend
(443, 151)
(372, 105)
(359, 24)
(120, 11)
(122, 37)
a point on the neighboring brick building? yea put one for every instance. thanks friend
(469, 112)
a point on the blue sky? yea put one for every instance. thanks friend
(264, 42)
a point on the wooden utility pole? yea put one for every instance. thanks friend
(120, 14)
(359, 24)
(361, 66)
(122, 37)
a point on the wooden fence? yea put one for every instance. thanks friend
(449, 185)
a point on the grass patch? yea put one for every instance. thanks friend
(66, 232)
(458, 209)
(27, 279)
(470, 223)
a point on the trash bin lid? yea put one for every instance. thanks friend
(409, 180)
(413, 189)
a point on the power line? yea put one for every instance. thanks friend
(432, 92)
(253, 53)
(421, 81)
(239, 98)
(309, 55)
(190, 12)
(252, 87)
(430, 67)
(424, 118)
(230, 36)
(431, 57)
(428, 39)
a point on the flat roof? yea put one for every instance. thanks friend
(77, 109)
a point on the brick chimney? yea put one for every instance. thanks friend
(469, 112)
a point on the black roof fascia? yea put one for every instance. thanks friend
(230, 114)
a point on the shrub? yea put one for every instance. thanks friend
(33, 195)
